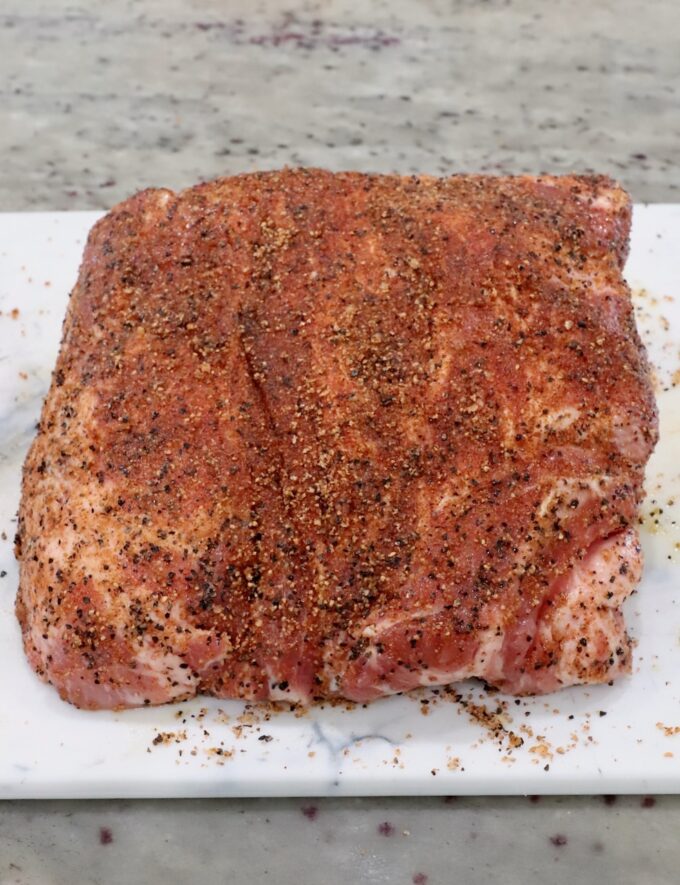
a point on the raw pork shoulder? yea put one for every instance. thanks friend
(315, 434)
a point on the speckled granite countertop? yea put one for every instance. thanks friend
(100, 100)
(103, 99)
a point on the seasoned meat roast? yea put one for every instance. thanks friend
(315, 434)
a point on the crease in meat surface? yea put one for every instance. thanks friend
(315, 435)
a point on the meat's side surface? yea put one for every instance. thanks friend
(316, 434)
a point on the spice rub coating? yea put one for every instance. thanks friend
(315, 434)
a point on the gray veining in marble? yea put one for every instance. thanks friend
(99, 100)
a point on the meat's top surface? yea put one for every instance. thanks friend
(315, 434)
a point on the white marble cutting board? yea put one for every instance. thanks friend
(598, 740)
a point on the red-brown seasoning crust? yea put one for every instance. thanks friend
(266, 386)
